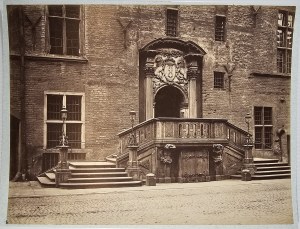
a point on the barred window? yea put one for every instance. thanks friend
(172, 22)
(284, 41)
(220, 28)
(72, 126)
(219, 80)
(263, 127)
(64, 21)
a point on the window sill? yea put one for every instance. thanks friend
(276, 75)
(53, 57)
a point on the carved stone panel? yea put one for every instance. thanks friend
(170, 69)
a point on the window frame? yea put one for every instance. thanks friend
(177, 22)
(216, 75)
(284, 41)
(49, 121)
(224, 30)
(264, 127)
(64, 30)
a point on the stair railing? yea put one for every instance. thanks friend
(182, 131)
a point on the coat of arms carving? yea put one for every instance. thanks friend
(170, 69)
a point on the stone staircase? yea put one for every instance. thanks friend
(91, 174)
(268, 169)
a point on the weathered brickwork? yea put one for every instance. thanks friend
(108, 70)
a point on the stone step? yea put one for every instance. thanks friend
(101, 185)
(271, 172)
(263, 177)
(46, 182)
(50, 176)
(271, 176)
(99, 175)
(264, 160)
(92, 164)
(271, 164)
(285, 167)
(99, 180)
(96, 170)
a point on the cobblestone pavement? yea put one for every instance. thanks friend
(221, 202)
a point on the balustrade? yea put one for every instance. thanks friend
(184, 130)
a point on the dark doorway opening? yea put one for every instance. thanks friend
(168, 102)
(14, 146)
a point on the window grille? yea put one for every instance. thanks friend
(263, 123)
(220, 28)
(64, 29)
(172, 22)
(219, 80)
(284, 41)
(73, 124)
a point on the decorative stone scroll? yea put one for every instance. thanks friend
(218, 153)
(170, 69)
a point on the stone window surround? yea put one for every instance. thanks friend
(82, 122)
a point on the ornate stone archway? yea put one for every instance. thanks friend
(171, 62)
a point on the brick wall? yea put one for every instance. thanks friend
(110, 77)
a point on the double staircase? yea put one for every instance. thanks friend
(268, 169)
(91, 174)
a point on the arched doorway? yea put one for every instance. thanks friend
(168, 102)
(175, 63)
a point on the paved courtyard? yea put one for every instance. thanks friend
(218, 202)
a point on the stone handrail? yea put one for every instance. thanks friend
(183, 131)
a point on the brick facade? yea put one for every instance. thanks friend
(107, 71)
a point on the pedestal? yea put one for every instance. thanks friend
(62, 176)
(133, 168)
(62, 173)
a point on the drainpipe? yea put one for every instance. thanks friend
(22, 158)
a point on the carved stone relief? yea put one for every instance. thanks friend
(170, 69)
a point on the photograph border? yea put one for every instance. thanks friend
(5, 105)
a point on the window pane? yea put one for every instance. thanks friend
(74, 107)
(56, 35)
(219, 80)
(280, 19)
(268, 137)
(54, 106)
(220, 28)
(280, 38)
(289, 38)
(280, 60)
(268, 116)
(257, 115)
(290, 20)
(55, 10)
(289, 61)
(72, 11)
(74, 135)
(72, 30)
(258, 137)
(53, 134)
(172, 16)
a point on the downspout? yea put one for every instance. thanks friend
(22, 154)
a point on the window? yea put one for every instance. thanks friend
(263, 127)
(219, 80)
(74, 124)
(220, 28)
(172, 22)
(64, 23)
(284, 41)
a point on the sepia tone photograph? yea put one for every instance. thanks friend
(134, 114)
